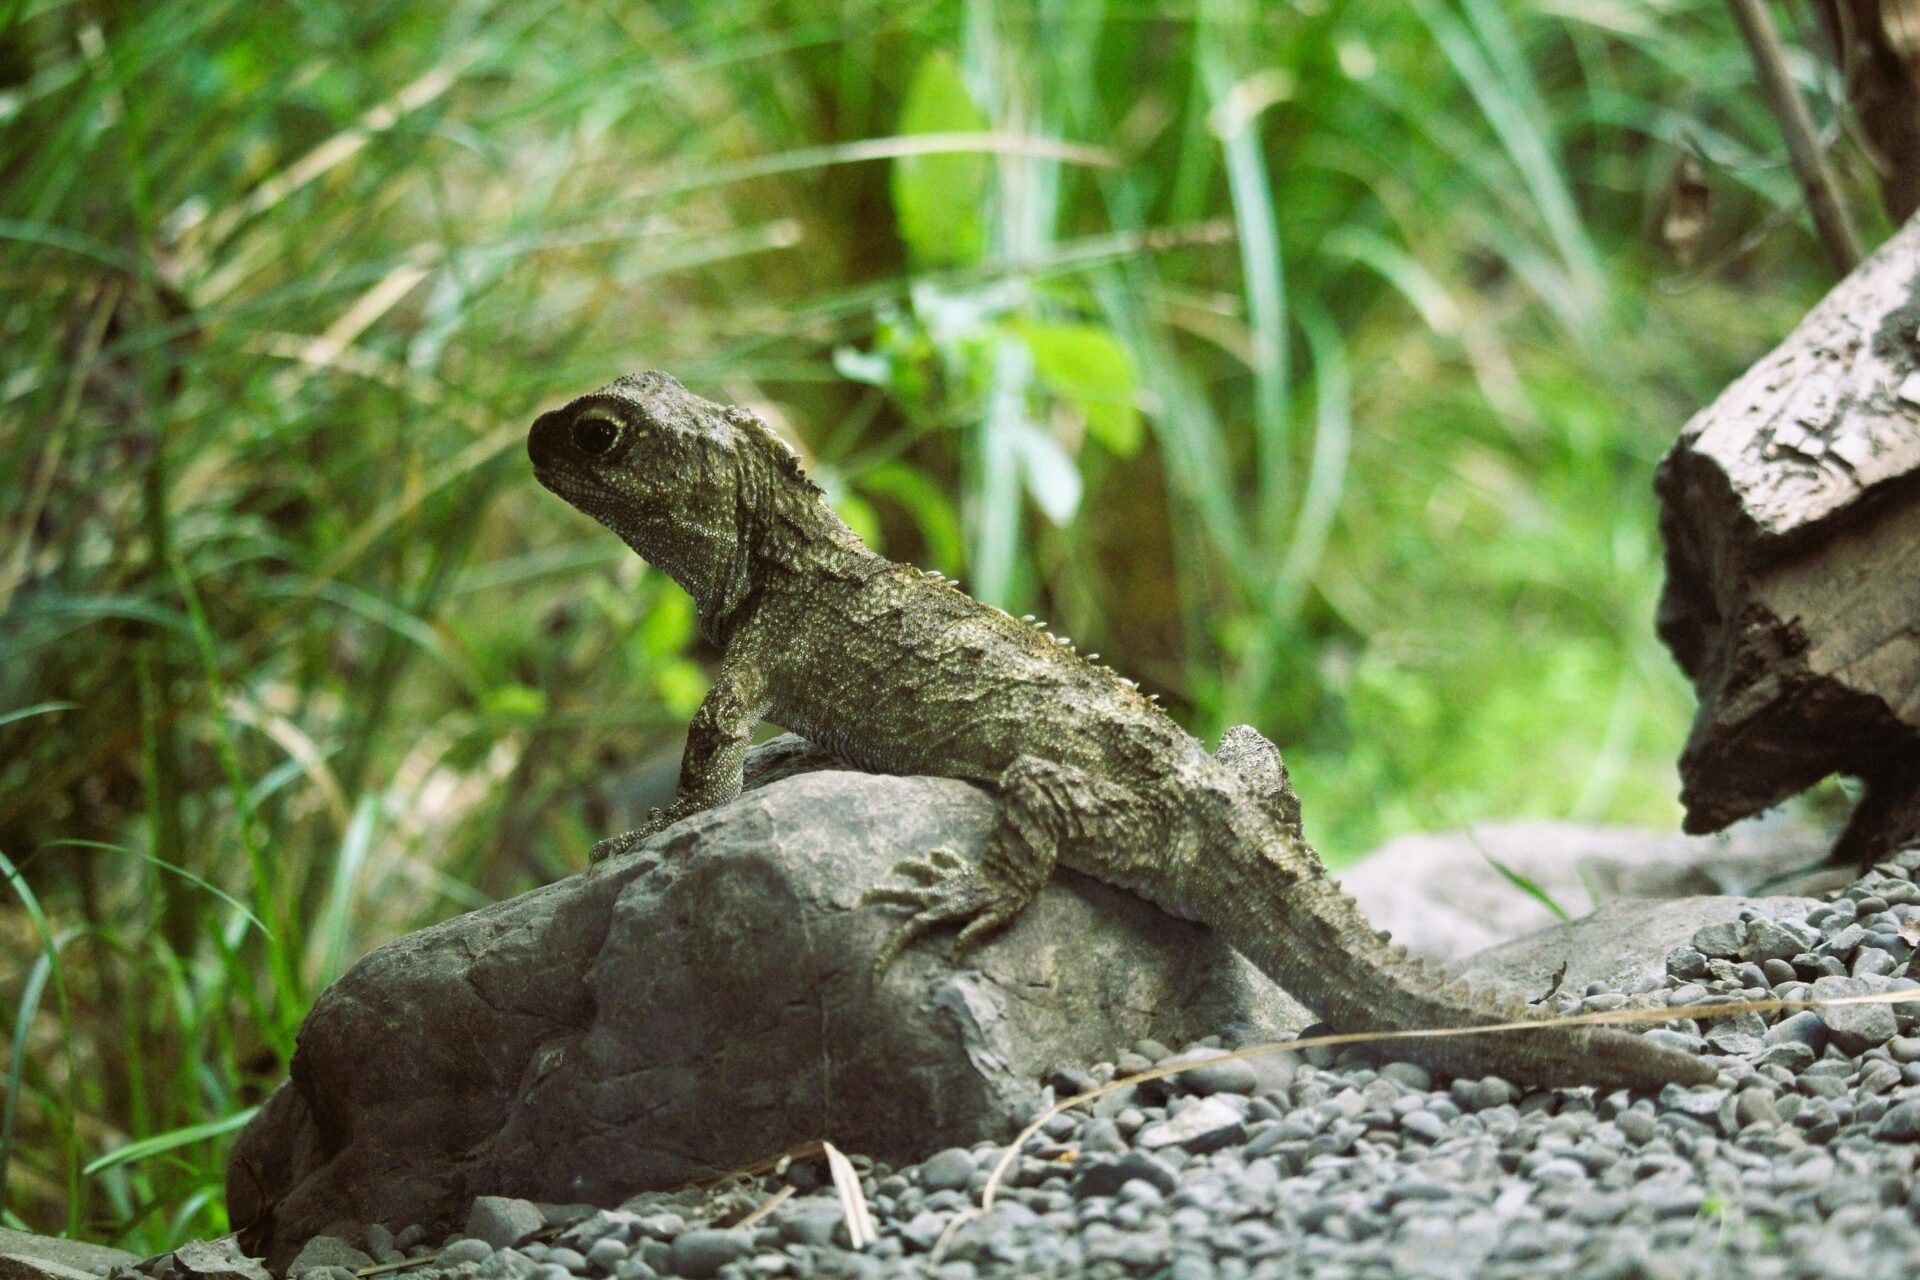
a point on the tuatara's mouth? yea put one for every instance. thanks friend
(564, 483)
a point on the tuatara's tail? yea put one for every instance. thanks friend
(1322, 950)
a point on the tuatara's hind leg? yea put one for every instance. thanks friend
(1043, 806)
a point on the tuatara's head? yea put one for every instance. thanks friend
(685, 482)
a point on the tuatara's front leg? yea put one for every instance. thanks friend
(717, 740)
(1043, 806)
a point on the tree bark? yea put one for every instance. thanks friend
(1790, 508)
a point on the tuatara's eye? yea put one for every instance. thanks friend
(593, 435)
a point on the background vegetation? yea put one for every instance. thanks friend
(1309, 360)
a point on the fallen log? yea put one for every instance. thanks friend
(1790, 509)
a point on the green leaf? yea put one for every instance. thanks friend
(937, 199)
(515, 701)
(1087, 367)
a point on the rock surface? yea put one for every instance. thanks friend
(1624, 946)
(25, 1256)
(1439, 896)
(1799, 1162)
(703, 1004)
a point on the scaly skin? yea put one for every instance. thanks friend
(896, 671)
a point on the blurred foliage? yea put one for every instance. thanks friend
(1308, 360)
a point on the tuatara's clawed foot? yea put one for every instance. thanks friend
(938, 865)
(614, 846)
(947, 890)
(658, 820)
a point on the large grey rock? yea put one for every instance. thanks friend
(1624, 944)
(25, 1256)
(1440, 896)
(705, 1003)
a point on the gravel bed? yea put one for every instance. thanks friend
(1800, 1161)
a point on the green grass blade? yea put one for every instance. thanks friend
(331, 932)
(164, 865)
(1326, 474)
(37, 709)
(22, 1025)
(1263, 278)
(51, 947)
(1524, 885)
(146, 1148)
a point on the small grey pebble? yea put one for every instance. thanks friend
(1842, 941)
(1106, 1177)
(551, 1271)
(1232, 1076)
(922, 1230)
(949, 1170)
(1719, 941)
(465, 1249)
(812, 1225)
(1869, 961)
(700, 1253)
(1754, 1106)
(1778, 971)
(571, 1259)
(327, 1251)
(1904, 1049)
(1424, 1125)
(1803, 1027)
(1901, 1124)
(1775, 940)
(1411, 1074)
(607, 1253)
(503, 1220)
(1685, 962)
(1636, 1125)
(1102, 1136)
(1491, 1091)
(1855, 1028)
(1877, 1075)
(506, 1264)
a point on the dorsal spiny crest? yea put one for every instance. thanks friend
(786, 462)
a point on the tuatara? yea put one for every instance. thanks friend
(897, 671)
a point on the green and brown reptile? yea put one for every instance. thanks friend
(897, 671)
